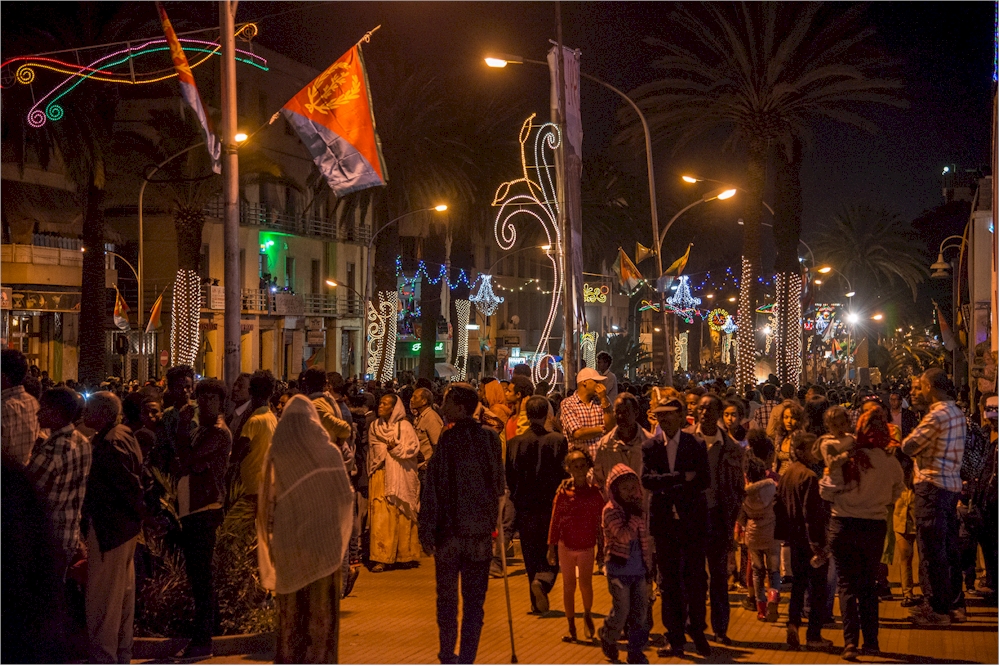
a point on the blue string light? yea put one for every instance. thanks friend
(462, 279)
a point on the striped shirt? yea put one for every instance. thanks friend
(763, 414)
(937, 445)
(575, 415)
(59, 466)
(18, 423)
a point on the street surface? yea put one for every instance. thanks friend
(390, 619)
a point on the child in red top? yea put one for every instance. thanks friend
(576, 519)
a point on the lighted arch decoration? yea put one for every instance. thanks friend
(382, 336)
(536, 198)
(103, 69)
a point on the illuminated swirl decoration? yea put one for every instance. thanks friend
(588, 349)
(117, 67)
(462, 309)
(534, 195)
(382, 336)
(595, 294)
(717, 319)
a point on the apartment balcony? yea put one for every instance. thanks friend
(257, 215)
(38, 265)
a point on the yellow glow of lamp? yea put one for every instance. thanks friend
(689, 179)
(441, 208)
(824, 269)
(240, 137)
(727, 194)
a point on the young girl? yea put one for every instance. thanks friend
(576, 517)
(758, 519)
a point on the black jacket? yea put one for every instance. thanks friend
(799, 511)
(534, 469)
(670, 490)
(113, 504)
(465, 479)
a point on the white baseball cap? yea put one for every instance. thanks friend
(589, 373)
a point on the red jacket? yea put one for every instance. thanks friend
(576, 517)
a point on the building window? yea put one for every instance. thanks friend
(351, 273)
(290, 273)
(317, 276)
(203, 262)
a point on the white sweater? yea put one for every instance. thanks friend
(870, 498)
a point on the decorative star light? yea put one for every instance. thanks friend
(486, 301)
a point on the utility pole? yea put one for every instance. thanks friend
(231, 193)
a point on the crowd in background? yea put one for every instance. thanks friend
(678, 494)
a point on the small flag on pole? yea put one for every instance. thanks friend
(628, 275)
(334, 119)
(121, 311)
(154, 314)
(678, 266)
(189, 90)
(947, 337)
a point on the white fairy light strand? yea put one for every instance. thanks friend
(382, 336)
(588, 348)
(184, 316)
(462, 311)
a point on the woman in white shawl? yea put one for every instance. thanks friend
(393, 489)
(304, 522)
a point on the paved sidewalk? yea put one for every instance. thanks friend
(390, 618)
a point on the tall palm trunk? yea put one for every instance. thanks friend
(383, 292)
(788, 274)
(185, 334)
(94, 295)
(746, 343)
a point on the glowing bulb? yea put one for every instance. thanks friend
(546, 247)
(441, 208)
(689, 179)
(825, 269)
(877, 317)
(614, 327)
(732, 299)
(850, 294)
(727, 194)
(946, 170)
(767, 330)
(240, 137)
(496, 62)
(331, 283)
(709, 295)
(818, 281)
(657, 329)
(852, 318)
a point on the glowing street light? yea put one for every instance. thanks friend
(441, 208)
(240, 137)
(852, 318)
(727, 194)
(824, 269)
(689, 179)
(877, 317)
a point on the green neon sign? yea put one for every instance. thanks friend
(438, 347)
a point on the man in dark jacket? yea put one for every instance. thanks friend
(112, 509)
(801, 522)
(534, 472)
(202, 459)
(724, 497)
(675, 471)
(459, 505)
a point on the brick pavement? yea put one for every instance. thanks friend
(390, 618)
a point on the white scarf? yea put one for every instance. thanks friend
(305, 511)
(402, 486)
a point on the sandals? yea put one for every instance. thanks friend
(571, 636)
(588, 627)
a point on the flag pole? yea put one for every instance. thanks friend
(231, 187)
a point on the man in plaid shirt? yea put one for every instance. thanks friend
(19, 419)
(586, 414)
(936, 446)
(763, 414)
(59, 467)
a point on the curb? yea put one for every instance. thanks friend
(162, 649)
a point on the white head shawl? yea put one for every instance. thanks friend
(305, 515)
(395, 443)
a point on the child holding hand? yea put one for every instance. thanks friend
(576, 518)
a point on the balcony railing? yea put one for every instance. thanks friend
(41, 256)
(258, 215)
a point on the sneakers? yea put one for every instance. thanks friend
(924, 616)
(958, 615)
(539, 596)
(772, 606)
(496, 572)
(193, 653)
(609, 648)
(792, 636)
(819, 644)
(850, 653)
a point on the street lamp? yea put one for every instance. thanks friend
(440, 208)
(941, 269)
(828, 269)
(335, 284)
(502, 60)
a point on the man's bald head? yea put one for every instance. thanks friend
(421, 398)
(103, 410)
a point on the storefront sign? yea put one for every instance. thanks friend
(5, 298)
(315, 338)
(216, 297)
(289, 305)
(415, 347)
(45, 301)
(314, 323)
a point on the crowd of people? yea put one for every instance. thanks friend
(677, 494)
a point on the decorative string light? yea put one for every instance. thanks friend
(382, 336)
(540, 203)
(730, 326)
(422, 272)
(598, 294)
(462, 312)
(681, 352)
(98, 69)
(588, 349)
(746, 345)
(184, 315)
(793, 329)
(486, 301)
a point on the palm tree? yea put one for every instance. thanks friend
(875, 248)
(762, 75)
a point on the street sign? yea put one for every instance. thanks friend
(164, 358)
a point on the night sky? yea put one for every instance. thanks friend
(946, 51)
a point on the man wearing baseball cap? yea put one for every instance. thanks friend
(586, 414)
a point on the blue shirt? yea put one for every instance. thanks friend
(634, 566)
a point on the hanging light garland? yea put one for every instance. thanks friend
(746, 345)
(534, 195)
(382, 336)
(422, 272)
(462, 311)
(486, 301)
(184, 315)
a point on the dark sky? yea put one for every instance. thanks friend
(945, 50)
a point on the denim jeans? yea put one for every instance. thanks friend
(765, 565)
(198, 543)
(937, 538)
(629, 603)
(467, 558)
(857, 549)
(809, 578)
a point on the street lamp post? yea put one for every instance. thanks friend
(368, 278)
(941, 268)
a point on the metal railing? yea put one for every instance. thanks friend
(40, 255)
(259, 215)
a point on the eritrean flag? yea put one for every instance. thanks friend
(189, 91)
(155, 314)
(333, 117)
(121, 311)
(628, 275)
